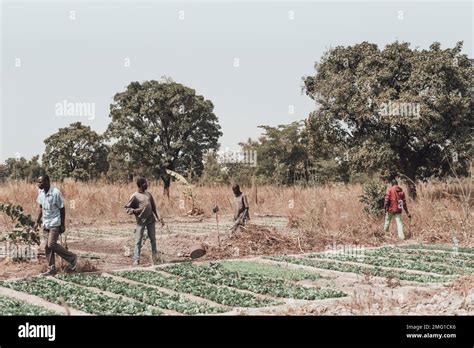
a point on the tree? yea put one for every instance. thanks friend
(214, 171)
(35, 169)
(120, 167)
(409, 111)
(3, 172)
(163, 125)
(23, 169)
(282, 153)
(77, 152)
(17, 168)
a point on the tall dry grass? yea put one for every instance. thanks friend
(330, 213)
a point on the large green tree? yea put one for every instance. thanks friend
(407, 110)
(77, 152)
(161, 125)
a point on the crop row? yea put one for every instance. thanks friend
(273, 271)
(415, 255)
(143, 293)
(222, 295)
(10, 306)
(360, 269)
(218, 275)
(80, 298)
(393, 262)
(439, 253)
(440, 247)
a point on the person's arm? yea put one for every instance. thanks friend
(245, 205)
(38, 220)
(386, 200)
(62, 211)
(153, 209)
(131, 206)
(246, 209)
(405, 207)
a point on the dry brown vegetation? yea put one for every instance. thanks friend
(319, 215)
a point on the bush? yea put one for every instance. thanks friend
(373, 197)
(22, 231)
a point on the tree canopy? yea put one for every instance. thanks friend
(159, 125)
(402, 109)
(75, 151)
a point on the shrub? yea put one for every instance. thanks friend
(373, 197)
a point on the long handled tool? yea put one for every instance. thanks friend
(216, 211)
(240, 221)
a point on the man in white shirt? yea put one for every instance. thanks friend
(53, 214)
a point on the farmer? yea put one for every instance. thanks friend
(241, 207)
(394, 202)
(142, 205)
(53, 214)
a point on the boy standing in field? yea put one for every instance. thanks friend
(241, 207)
(142, 205)
(394, 203)
(53, 215)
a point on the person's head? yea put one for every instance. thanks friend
(142, 184)
(236, 189)
(43, 182)
(394, 182)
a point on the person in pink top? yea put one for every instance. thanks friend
(394, 202)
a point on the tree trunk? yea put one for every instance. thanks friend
(410, 180)
(166, 185)
(408, 168)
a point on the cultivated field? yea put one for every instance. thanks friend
(288, 261)
(412, 279)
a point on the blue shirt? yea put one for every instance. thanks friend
(51, 204)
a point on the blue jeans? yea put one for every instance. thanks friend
(150, 227)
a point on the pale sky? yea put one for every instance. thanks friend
(85, 52)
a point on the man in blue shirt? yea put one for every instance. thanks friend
(53, 214)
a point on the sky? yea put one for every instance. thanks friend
(247, 57)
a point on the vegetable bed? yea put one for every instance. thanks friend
(225, 296)
(440, 247)
(273, 271)
(11, 306)
(394, 262)
(218, 275)
(455, 260)
(143, 294)
(360, 269)
(80, 298)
